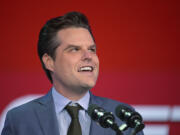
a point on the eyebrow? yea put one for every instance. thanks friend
(94, 45)
(72, 46)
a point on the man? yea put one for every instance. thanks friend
(67, 51)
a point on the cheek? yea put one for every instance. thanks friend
(96, 59)
(61, 64)
(68, 64)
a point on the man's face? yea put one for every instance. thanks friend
(76, 64)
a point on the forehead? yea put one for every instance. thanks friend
(73, 35)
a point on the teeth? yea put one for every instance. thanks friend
(86, 68)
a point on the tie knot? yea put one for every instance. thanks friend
(73, 110)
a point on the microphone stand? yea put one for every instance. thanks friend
(138, 127)
(116, 129)
(110, 123)
(132, 118)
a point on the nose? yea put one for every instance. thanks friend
(86, 56)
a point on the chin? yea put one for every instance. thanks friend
(89, 85)
(83, 88)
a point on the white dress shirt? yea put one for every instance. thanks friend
(63, 117)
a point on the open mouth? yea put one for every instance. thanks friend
(86, 69)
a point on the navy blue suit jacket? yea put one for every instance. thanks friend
(38, 117)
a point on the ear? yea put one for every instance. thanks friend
(48, 62)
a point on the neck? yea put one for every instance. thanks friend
(71, 94)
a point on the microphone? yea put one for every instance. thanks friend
(105, 119)
(131, 117)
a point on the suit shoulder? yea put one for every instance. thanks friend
(108, 103)
(107, 100)
(26, 107)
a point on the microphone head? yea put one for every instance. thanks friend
(94, 110)
(128, 115)
(123, 112)
(105, 119)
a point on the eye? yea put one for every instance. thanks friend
(93, 49)
(74, 49)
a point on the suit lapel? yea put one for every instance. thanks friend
(47, 116)
(95, 128)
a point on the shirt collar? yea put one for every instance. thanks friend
(60, 101)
